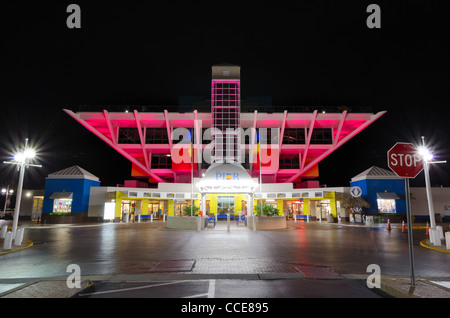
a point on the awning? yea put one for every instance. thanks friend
(61, 195)
(387, 196)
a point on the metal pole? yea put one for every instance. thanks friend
(18, 199)
(410, 234)
(260, 178)
(429, 198)
(192, 174)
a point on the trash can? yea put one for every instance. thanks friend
(330, 218)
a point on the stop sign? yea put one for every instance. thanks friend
(405, 160)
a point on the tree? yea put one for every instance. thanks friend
(351, 202)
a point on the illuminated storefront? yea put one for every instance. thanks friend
(383, 190)
(67, 192)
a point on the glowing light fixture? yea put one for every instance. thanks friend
(21, 160)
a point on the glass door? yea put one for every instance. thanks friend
(225, 204)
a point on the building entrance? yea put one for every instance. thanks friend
(225, 204)
(128, 210)
(323, 208)
(294, 208)
(180, 207)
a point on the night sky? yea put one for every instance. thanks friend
(303, 53)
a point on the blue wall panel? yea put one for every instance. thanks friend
(370, 188)
(79, 187)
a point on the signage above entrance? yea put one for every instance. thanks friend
(227, 178)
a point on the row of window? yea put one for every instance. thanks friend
(292, 136)
(163, 161)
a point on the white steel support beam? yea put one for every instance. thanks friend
(251, 153)
(338, 144)
(109, 142)
(169, 130)
(308, 139)
(141, 137)
(198, 141)
(341, 123)
(111, 130)
(281, 136)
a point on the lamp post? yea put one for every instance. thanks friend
(21, 161)
(6, 192)
(427, 158)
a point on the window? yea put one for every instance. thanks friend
(268, 136)
(294, 136)
(321, 136)
(161, 161)
(62, 206)
(156, 136)
(386, 206)
(226, 120)
(289, 162)
(129, 136)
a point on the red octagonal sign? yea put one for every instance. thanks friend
(405, 160)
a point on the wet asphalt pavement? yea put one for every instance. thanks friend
(134, 254)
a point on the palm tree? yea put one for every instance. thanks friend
(351, 202)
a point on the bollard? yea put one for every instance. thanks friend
(19, 236)
(198, 222)
(4, 230)
(295, 218)
(8, 241)
(254, 223)
(434, 237)
(164, 217)
(228, 222)
(307, 218)
(151, 218)
(447, 240)
(139, 218)
(440, 231)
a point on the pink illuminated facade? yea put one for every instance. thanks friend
(289, 144)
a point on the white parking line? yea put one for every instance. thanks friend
(212, 288)
(209, 294)
(131, 288)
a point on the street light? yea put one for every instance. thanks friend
(21, 160)
(427, 158)
(6, 192)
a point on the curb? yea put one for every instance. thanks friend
(46, 289)
(401, 288)
(28, 244)
(426, 243)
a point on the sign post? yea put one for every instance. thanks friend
(405, 161)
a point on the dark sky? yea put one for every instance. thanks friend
(150, 53)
